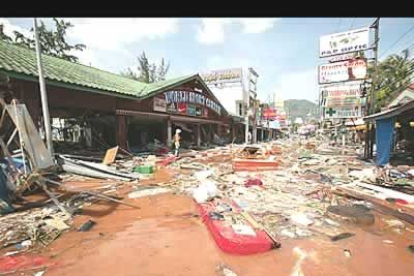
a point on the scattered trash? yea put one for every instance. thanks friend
(224, 270)
(301, 219)
(243, 230)
(86, 226)
(22, 263)
(347, 253)
(148, 192)
(342, 236)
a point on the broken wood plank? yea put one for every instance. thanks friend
(92, 193)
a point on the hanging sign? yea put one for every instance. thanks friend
(350, 70)
(160, 105)
(345, 42)
(192, 97)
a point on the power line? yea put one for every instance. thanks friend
(398, 40)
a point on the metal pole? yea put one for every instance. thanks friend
(370, 105)
(43, 93)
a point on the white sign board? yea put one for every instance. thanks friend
(342, 112)
(342, 71)
(222, 76)
(342, 57)
(345, 42)
(160, 105)
(344, 94)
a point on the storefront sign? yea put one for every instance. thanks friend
(342, 112)
(171, 107)
(345, 42)
(192, 97)
(269, 113)
(182, 108)
(222, 76)
(343, 71)
(160, 105)
(342, 57)
(347, 94)
(191, 110)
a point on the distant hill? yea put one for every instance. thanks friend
(300, 108)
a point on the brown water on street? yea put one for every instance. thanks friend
(163, 238)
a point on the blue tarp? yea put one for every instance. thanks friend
(384, 135)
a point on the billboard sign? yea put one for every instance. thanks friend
(349, 70)
(344, 42)
(346, 94)
(222, 76)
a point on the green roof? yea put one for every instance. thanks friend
(21, 62)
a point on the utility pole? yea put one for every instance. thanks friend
(43, 93)
(369, 135)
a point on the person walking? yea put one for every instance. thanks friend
(177, 138)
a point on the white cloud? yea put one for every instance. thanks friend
(10, 28)
(257, 25)
(211, 30)
(111, 33)
(298, 85)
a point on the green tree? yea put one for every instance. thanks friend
(147, 72)
(394, 74)
(53, 42)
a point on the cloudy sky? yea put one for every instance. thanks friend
(284, 51)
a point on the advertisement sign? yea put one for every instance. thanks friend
(345, 42)
(222, 76)
(205, 112)
(342, 57)
(182, 108)
(191, 110)
(160, 105)
(192, 97)
(172, 108)
(269, 113)
(347, 94)
(342, 112)
(350, 70)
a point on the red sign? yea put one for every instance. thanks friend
(269, 113)
(182, 108)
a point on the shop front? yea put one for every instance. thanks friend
(189, 106)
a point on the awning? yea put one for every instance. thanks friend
(139, 113)
(194, 120)
(392, 112)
